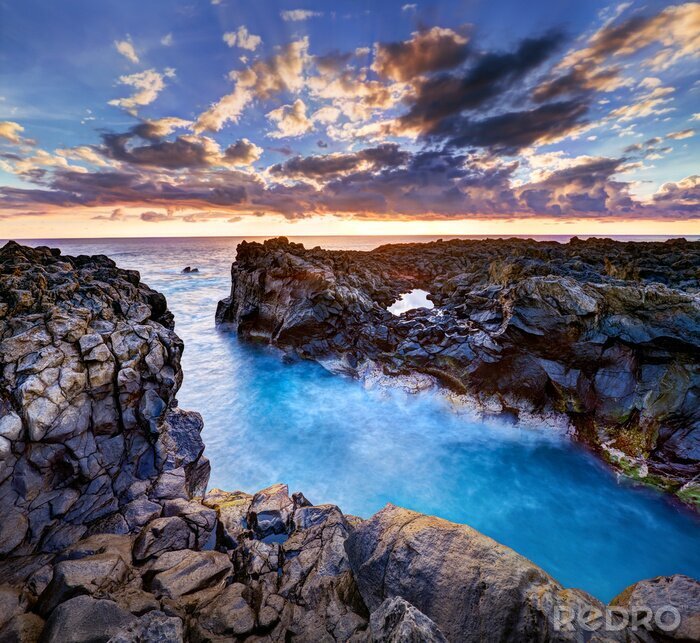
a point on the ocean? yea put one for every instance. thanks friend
(267, 421)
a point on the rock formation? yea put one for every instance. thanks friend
(109, 536)
(603, 334)
(90, 434)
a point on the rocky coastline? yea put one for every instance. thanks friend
(599, 336)
(109, 532)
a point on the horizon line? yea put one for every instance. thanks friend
(685, 236)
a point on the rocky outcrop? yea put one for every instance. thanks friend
(603, 335)
(399, 577)
(91, 439)
(122, 545)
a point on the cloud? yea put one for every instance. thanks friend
(653, 103)
(84, 153)
(34, 166)
(160, 127)
(242, 152)
(387, 155)
(683, 195)
(228, 108)
(297, 15)
(126, 49)
(374, 183)
(351, 92)
(291, 120)
(426, 51)
(333, 62)
(437, 101)
(184, 152)
(167, 40)
(118, 214)
(263, 79)
(242, 39)
(409, 7)
(326, 115)
(677, 136)
(147, 85)
(670, 35)
(155, 217)
(509, 132)
(11, 131)
(674, 30)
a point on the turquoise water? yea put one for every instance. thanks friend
(325, 435)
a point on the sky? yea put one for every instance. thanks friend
(231, 117)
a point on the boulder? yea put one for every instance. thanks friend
(473, 588)
(196, 571)
(671, 604)
(85, 620)
(397, 621)
(90, 575)
(153, 627)
(229, 614)
(270, 511)
(162, 535)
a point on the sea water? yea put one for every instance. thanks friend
(267, 421)
(411, 300)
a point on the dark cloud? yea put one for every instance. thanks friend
(510, 132)
(584, 189)
(183, 152)
(589, 68)
(426, 51)
(383, 156)
(582, 78)
(242, 152)
(388, 183)
(492, 76)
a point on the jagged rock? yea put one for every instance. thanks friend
(141, 511)
(92, 444)
(162, 535)
(229, 614)
(232, 512)
(89, 369)
(397, 621)
(559, 331)
(472, 588)
(85, 620)
(196, 571)
(154, 627)
(656, 595)
(90, 575)
(201, 520)
(270, 511)
(316, 572)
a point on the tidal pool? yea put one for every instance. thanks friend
(327, 436)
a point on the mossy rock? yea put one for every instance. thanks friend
(690, 494)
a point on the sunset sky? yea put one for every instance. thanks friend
(232, 117)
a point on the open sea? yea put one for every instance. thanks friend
(326, 435)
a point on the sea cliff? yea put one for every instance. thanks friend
(597, 335)
(110, 534)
